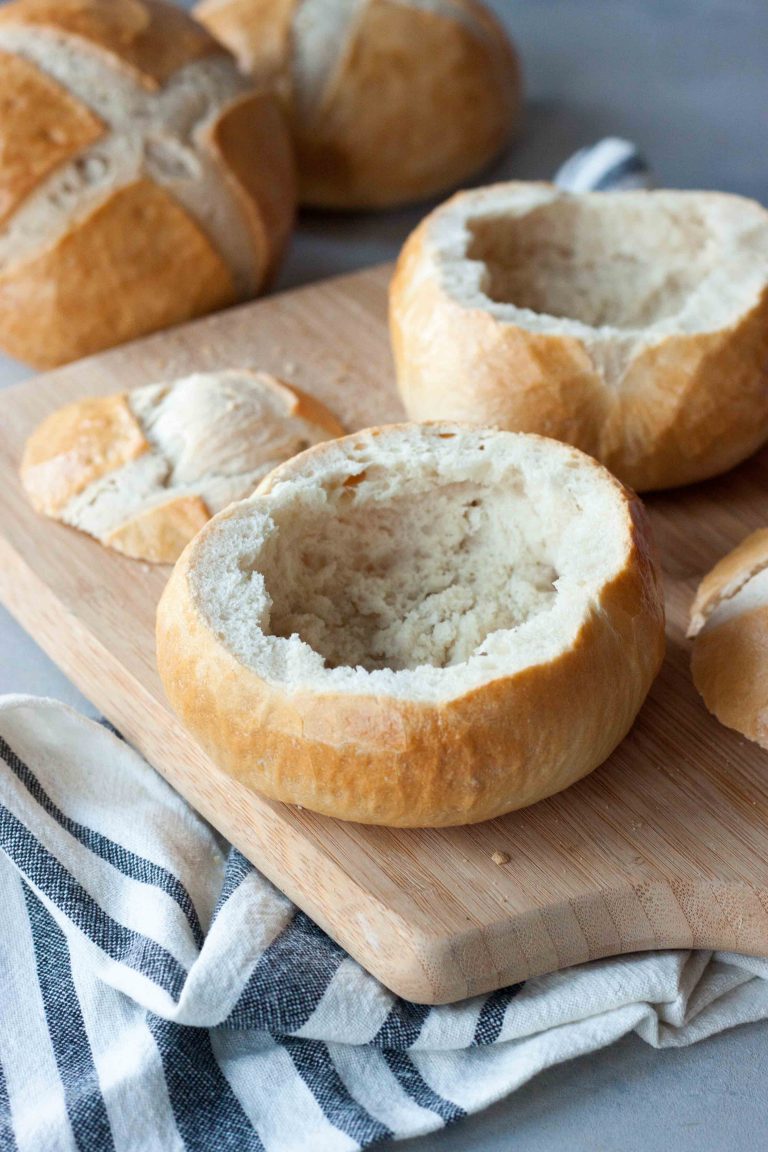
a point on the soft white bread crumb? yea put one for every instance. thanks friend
(417, 563)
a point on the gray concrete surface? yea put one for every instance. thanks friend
(687, 80)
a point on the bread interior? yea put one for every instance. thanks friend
(412, 562)
(402, 582)
(602, 262)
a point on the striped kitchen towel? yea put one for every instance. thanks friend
(611, 165)
(159, 994)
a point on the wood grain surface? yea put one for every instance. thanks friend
(665, 845)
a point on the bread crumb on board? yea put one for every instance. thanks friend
(500, 857)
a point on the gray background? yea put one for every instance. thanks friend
(688, 81)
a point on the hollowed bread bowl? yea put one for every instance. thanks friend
(416, 625)
(633, 325)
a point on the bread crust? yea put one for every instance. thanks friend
(77, 445)
(144, 159)
(152, 39)
(251, 141)
(41, 126)
(258, 33)
(730, 671)
(420, 99)
(386, 760)
(729, 660)
(454, 113)
(52, 305)
(689, 406)
(160, 533)
(729, 575)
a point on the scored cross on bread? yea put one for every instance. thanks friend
(143, 471)
(390, 101)
(143, 180)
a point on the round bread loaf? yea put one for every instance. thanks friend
(633, 325)
(143, 471)
(416, 625)
(390, 100)
(143, 180)
(729, 621)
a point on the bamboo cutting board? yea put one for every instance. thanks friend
(665, 845)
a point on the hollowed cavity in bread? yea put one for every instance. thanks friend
(421, 561)
(605, 263)
(403, 582)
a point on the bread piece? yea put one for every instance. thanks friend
(416, 625)
(143, 471)
(633, 325)
(729, 621)
(390, 101)
(143, 179)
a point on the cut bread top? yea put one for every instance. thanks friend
(617, 271)
(118, 466)
(736, 584)
(415, 561)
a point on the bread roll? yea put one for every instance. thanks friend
(143, 471)
(632, 324)
(390, 100)
(416, 625)
(143, 180)
(729, 620)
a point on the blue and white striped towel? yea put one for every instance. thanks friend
(159, 994)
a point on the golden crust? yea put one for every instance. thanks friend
(729, 661)
(160, 533)
(59, 304)
(389, 128)
(381, 760)
(41, 126)
(688, 408)
(77, 445)
(418, 104)
(251, 141)
(306, 407)
(728, 576)
(256, 32)
(151, 38)
(729, 664)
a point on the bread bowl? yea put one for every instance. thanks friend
(390, 101)
(143, 471)
(729, 623)
(633, 325)
(416, 625)
(143, 179)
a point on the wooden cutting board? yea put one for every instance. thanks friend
(665, 845)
